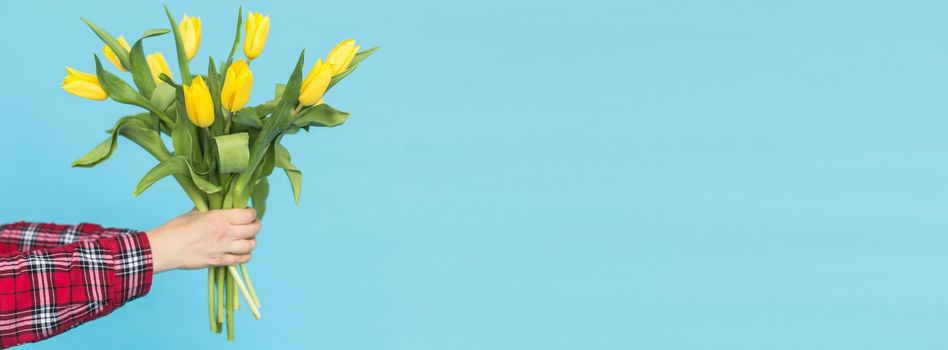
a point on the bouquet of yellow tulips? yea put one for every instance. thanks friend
(223, 150)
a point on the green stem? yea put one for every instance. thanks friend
(210, 300)
(230, 119)
(221, 286)
(253, 293)
(235, 277)
(230, 309)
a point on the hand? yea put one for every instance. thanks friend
(198, 240)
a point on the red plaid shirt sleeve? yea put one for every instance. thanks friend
(56, 277)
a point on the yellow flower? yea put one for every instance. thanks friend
(158, 65)
(316, 83)
(237, 85)
(341, 56)
(255, 37)
(84, 85)
(190, 29)
(107, 51)
(197, 100)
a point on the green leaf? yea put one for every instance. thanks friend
(165, 78)
(176, 165)
(105, 149)
(184, 133)
(269, 161)
(320, 115)
(352, 66)
(233, 49)
(266, 109)
(260, 192)
(214, 84)
(248, 116)
(141, 73)
(120, 51)
(233, 152)
(120, 91)
(278, 91)
(292, 172)
(182, 54)
(145, 135)
(272, 127)
(158, 31)
(134, 127)
(363, 55)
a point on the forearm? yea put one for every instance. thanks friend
(25, 236)
(46, 292)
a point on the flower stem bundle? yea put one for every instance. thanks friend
(222, 149)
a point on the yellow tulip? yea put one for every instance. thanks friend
(341, 56)
(84, 85)
(237, 85)
(107, 51)
(255, 37)
(190, 29)
(197, 100)
(316, 83)
(158, 65)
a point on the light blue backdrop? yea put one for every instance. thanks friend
(543, 175)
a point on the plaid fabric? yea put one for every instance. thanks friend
(55, 277)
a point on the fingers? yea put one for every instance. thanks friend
(240, 247)
(239, 216)
(233, 259)
(247, 231)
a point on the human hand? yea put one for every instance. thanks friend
(197, 240)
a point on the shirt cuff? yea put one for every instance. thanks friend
(131, 266)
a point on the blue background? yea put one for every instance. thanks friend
(542, 175)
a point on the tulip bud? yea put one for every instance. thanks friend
(238, 82)
(316, 83)
(190, 29)
(341, 56)
(255, 37)
(197, 100)
(158, 65)
(109, 54)
(84, 85)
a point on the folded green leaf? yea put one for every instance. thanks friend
(162, 96)
(233, 152)
(174, 166)
(110, 41)
(321, 115)
(292, 172)
(352, 66)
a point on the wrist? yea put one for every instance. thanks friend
(161, 256)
